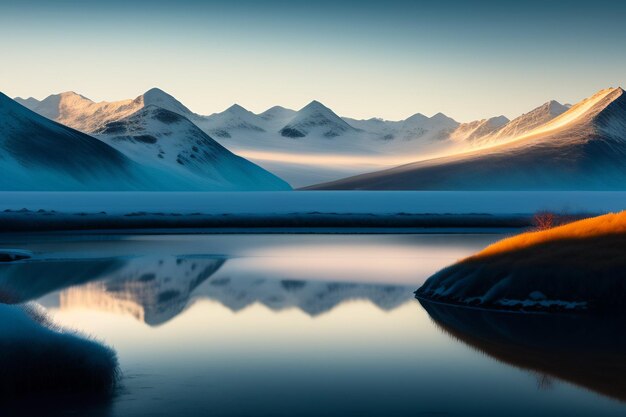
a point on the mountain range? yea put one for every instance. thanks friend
(553, 146)
(578, 148)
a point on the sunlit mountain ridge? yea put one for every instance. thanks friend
(583, 148)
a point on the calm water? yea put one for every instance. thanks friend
(307, 325)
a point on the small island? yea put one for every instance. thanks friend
(577, 267)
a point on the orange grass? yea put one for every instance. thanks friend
(614, 223)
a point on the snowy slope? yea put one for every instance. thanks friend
(39, 154)
(524, 123)
(315, 118)
(474, 131)
(581, 149)
(154, 136)
(535, 118)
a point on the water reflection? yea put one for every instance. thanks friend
(151, 290)
(157, 290)
(584, 350)
(296, 325)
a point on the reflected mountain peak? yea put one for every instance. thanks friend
(151, 290)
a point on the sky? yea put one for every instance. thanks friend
(391, 59)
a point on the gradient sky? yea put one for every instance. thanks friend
(361, 58)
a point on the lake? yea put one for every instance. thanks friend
(304, 325)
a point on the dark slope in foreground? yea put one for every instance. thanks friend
(577, 267)
(582, 149)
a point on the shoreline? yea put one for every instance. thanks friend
(28, 221)
(285, 212)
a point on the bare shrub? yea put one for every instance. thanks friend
(544, 220)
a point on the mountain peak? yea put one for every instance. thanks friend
(70, 94)
(443, 119)
(315, 105)
(156, 96)
(498, 120)
(315, 116)
(555, 108)
(277, 114)
(417, 117)
(237, 109)
(276, 109)
(52, 106)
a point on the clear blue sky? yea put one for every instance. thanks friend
(361, 58)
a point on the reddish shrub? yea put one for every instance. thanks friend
(544, 220)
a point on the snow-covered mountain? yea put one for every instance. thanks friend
(437, 127)
(82, 114)
(39, 154)
(583, 148)
(535, 118)
(295, 144)
(417, 127)
(154, 136)
(268, 138)
(235, 118)
(523, 124)
(51, 106)
(277, 115)
(154, 149)
(315, 119)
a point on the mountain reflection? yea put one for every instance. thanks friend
(584, 350)
(157, 289)
(151, 290)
